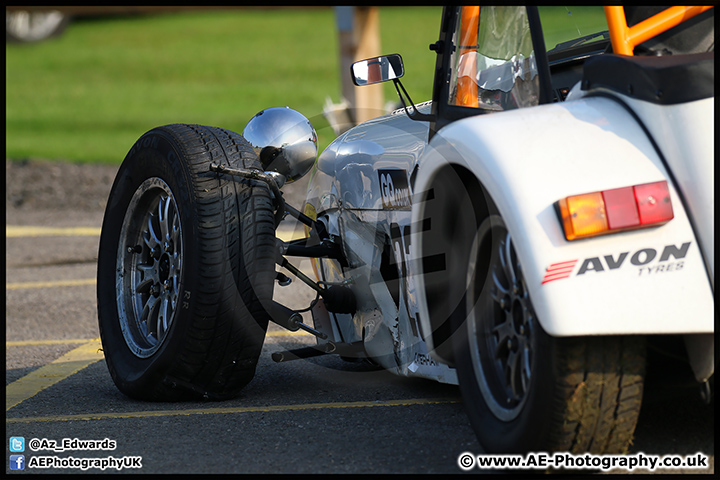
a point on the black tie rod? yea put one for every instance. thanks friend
(337, 299)
(291, 319)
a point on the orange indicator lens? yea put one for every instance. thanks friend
(586, 215)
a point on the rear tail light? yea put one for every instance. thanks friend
(616, 210)
(653, 201)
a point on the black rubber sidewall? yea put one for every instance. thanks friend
(159, 154)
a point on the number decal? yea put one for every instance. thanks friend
(400, 238)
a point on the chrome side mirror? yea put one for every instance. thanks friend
(377, 70)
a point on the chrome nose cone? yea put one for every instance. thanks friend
(285, 141)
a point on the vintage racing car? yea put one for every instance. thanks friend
(525, 234)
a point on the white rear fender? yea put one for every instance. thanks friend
(651, 280)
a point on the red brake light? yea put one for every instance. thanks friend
(621, 209)
(653, 200)
(615, 210)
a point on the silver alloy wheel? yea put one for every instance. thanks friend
(501, 335)
(149, 267)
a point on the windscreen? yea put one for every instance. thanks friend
(493, 64)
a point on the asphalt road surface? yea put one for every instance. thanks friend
(322, 415)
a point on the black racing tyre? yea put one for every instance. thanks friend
(525, 391)
(185, 267)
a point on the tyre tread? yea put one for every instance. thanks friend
(598, 412)
(234, 232)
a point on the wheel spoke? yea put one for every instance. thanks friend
(144, 286)
(506, 259)
(151, 238)
(149, 273)
(163, 315)
(163, 212)
(525, 370)
(511, 372)
(177, 268)
(149, 312)
(500, 290)
(175, 233)
(503, 332)
(501, 256)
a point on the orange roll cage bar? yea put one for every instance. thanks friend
(467, 94)
(624, 39)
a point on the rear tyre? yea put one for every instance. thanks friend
(185, 267)
(526, 391)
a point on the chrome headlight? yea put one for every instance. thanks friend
(285, 141)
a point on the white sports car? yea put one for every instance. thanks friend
(526, 234)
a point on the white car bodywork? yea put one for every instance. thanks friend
(644, 281)
(647, 281)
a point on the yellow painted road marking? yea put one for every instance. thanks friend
(70, 341)
(288, 333)
(233, 410)
(57, 283)
(26, 343)
(287, 234)
(14, 231)
(69, 364)
(48, 375)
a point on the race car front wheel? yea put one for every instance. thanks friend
(185, 267)
(526, 391)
